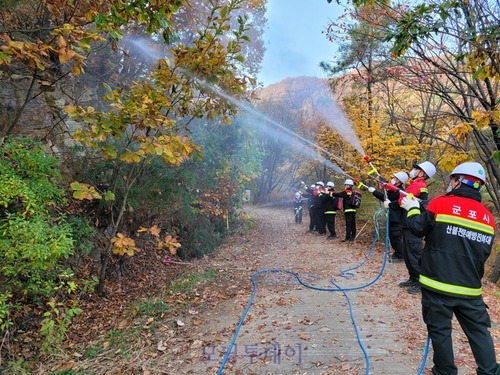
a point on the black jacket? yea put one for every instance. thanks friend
(459, 233)
(396, 213)
(346, 196)
(329, 203)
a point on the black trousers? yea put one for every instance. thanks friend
(412, 252)
(330, 223)
(320, 220)
(437, 311)
(350, 225)
(312, 218)
(396, 238)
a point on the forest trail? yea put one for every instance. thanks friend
(291, 329)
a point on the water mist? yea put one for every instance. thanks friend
(318, 91)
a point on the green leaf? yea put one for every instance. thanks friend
(109, 196)
(496, 157)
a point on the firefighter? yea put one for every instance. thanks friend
(319, 212)
(396, 214)
(330, 209)
(458, 231)
(312, 202)
(298, 204)
(412, 244)
(349, 210)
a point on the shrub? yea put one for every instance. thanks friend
(34, 236)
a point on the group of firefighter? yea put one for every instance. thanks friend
(323, 204)
(444, 243)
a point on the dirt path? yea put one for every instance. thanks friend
(291, 329)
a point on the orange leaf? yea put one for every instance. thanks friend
(155, 231)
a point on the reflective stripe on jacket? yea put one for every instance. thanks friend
(449, 288)
(346, 196)
(459, 233)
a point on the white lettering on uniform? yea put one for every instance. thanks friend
(486, 218)
(472, 214)
(471, 235)
(456, 210)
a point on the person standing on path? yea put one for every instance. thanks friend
(330, 209)
(349, 210)
(311, 202)
(412, 244)
(298, 204)
(319, 212)
(396, 214)
(459, 232)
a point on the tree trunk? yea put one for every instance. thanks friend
(495, 270)
(114, 230)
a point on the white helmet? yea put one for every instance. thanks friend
(401, 176)
(472, 169)
(321, 183)
(313, 186)
(330, 184)
(298, 195)
(349, 182)
(427, 167)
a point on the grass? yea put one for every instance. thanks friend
(187, 284)
(248, 222)
(152, 307)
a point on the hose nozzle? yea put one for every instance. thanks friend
(367, 158)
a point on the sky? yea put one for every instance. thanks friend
(295, 44)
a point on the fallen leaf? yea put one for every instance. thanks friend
(161, 346)
(197, 322)
(304, 336)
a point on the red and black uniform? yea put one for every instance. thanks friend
(330, 207)
(412, 250)
(349, 213)
(459, 233)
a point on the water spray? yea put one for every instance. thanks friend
(250, 109)
(324, 105)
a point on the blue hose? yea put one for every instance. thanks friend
(337, 288)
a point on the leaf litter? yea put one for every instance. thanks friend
(288, 330)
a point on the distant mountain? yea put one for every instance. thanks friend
(305, 89)
(295, 89)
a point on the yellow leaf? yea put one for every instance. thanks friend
(481, 118)
(83, 191)
(461, 131)
(130, 157)
(171, 244)
(63, 56)
(76, 70)
(155, 231)
(61, 42)
(123, 245)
